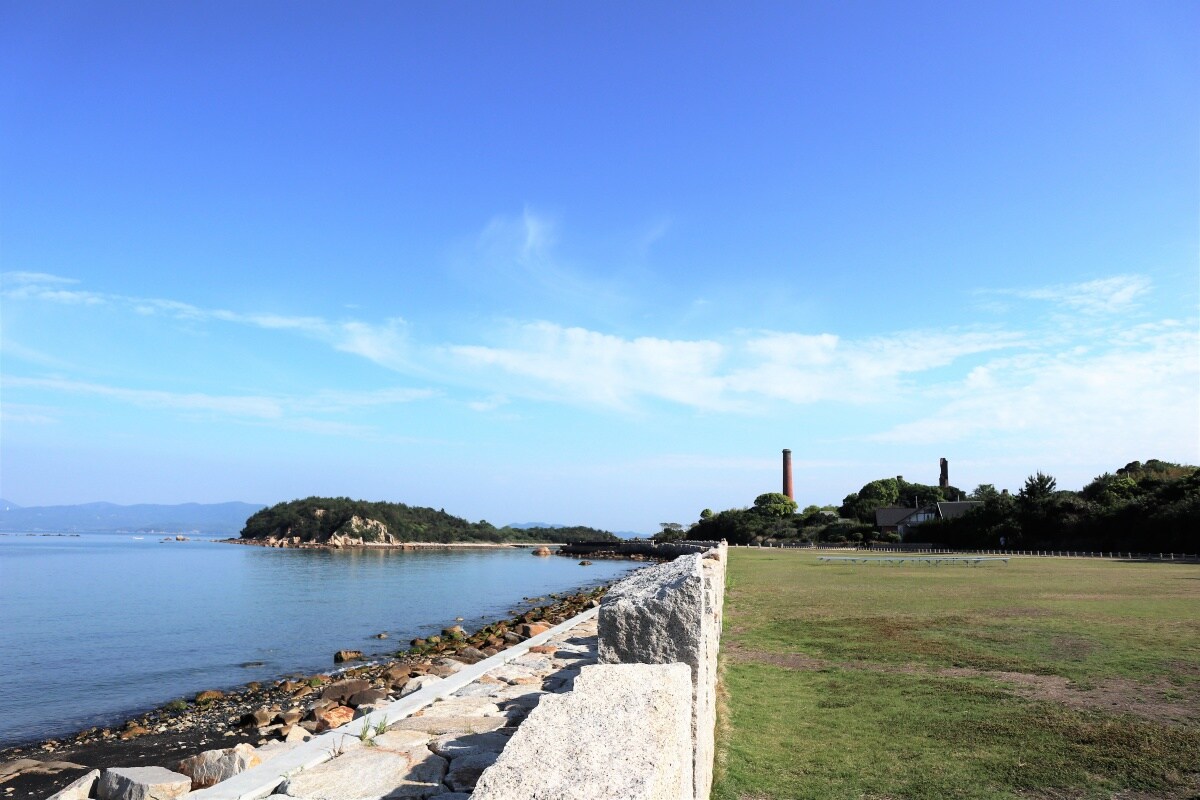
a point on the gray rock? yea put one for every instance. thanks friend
(455, 745)
(437, 726)
(142, 783)
(636, 745)
(367, 697)
(79, 789)
(214, 766)
(372, 773)
(470, 655)
(341, 691)
(461, 707)
(465, 770)
(416, 684)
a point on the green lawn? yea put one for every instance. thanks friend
(1043, 678)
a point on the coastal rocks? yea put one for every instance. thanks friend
(342, 656)
(258, 718)
(417, 684)
(530, 629)
(333, 717)
(208, 696)
(542, 551)
(367, 697)
(79, 789)
(470, 655)
(133, 730)
(585, 563)
(341, 691)
(142, 783)
(372, 774)
(214, 766)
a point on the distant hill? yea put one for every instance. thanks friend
(340, 520)
(7, 506)
(522, 526)
(223, 518)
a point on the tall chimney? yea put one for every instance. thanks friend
(944, 479)
(787, 475)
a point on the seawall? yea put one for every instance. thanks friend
(653, 694)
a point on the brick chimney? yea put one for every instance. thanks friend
(787, 475)
(944, 478)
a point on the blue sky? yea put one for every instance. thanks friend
(592, 263)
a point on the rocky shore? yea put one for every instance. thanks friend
(258, 714)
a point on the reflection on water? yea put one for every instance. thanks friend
(104, 624)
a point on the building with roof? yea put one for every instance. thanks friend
(901, 519)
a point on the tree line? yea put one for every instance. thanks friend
(1143, 507)
(317, 519)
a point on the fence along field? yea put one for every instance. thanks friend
(1042, 678)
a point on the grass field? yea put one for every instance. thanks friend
(1045, 678)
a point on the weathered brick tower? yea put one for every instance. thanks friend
(787, 475)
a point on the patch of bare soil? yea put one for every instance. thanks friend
(1159, 701)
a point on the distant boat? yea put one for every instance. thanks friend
(139, 538)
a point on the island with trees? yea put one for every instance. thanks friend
(342, 522)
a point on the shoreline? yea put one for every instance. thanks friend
(361, 545)
(165, 735)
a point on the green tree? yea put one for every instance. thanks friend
(671, 532)
(984, 492)
(775, 504)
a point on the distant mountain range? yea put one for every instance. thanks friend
(223, 518)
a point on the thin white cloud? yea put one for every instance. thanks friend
(1136, 394)
(41, 278)
(1113, 295)
(234, 405)
(591, 368)
(384, 344)
(289, 412)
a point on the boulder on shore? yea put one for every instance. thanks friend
(142, 783)
(213, 766)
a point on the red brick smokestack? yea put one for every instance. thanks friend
(787, 475)
(944, 478)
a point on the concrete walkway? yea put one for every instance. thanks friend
(433, 743)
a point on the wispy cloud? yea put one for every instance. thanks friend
(287, 412)
(1050, 375)
(589, 368)
(383, 343)
(1113, 295)
(240, 406)
(1138, 393)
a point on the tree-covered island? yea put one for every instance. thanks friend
(340, 522)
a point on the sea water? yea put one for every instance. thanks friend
(97, 627)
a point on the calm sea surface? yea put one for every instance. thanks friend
(97, 627)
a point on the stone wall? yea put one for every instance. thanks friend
(664, 617)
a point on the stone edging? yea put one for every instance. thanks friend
(262, 780)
